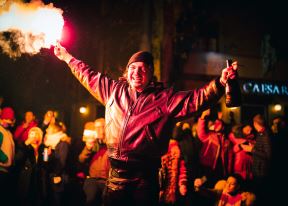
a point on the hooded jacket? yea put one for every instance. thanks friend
(138, 127)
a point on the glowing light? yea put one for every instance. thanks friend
(89, 133)
(83, 110)
(277, 107)
(31, 26)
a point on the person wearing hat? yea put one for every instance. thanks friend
(7, 148)
(140, 114)
(7, 144)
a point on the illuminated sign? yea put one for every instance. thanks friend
(265, 88)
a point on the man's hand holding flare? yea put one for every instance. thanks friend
(62, 53)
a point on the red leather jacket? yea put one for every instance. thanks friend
(138, 128)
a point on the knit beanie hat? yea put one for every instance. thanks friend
(7, 113)
(142, 56)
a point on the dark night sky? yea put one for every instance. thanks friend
(42, 81)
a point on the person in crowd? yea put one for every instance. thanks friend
(7, 119)
(226, 192)
(277, 125)
(262, 150)
(31, 181)
(96, 154)
(261, 157)
(57, 144)
(140, 115)
(3, 156)
(190, 148)
(243, 159)
(216, 155)
(21, 132)
(49, 118)
(173, 176)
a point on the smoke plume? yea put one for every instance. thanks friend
(28, 27)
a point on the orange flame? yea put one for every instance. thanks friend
(28, 27)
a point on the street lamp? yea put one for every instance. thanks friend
(83, 110)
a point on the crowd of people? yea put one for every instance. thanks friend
(219, 164)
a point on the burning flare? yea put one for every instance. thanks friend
(28, 27)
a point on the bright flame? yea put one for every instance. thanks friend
(28, 27)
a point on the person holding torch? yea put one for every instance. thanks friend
(139, 116)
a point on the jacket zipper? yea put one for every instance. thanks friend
(130, 110)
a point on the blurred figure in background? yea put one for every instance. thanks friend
(216, 155)
(49, 118)
(190, 148)
(173, 176)
(243, 161)
(226, 192)
(261, 155)
(31, 181)
(21, 132)
(7, 148)
(95, 154)
(57, 144)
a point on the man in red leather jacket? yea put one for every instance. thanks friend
(140, 115)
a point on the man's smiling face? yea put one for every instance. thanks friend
(139, 75)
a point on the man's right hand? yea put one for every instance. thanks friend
(62, 53)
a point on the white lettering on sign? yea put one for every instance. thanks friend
(264, 88)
